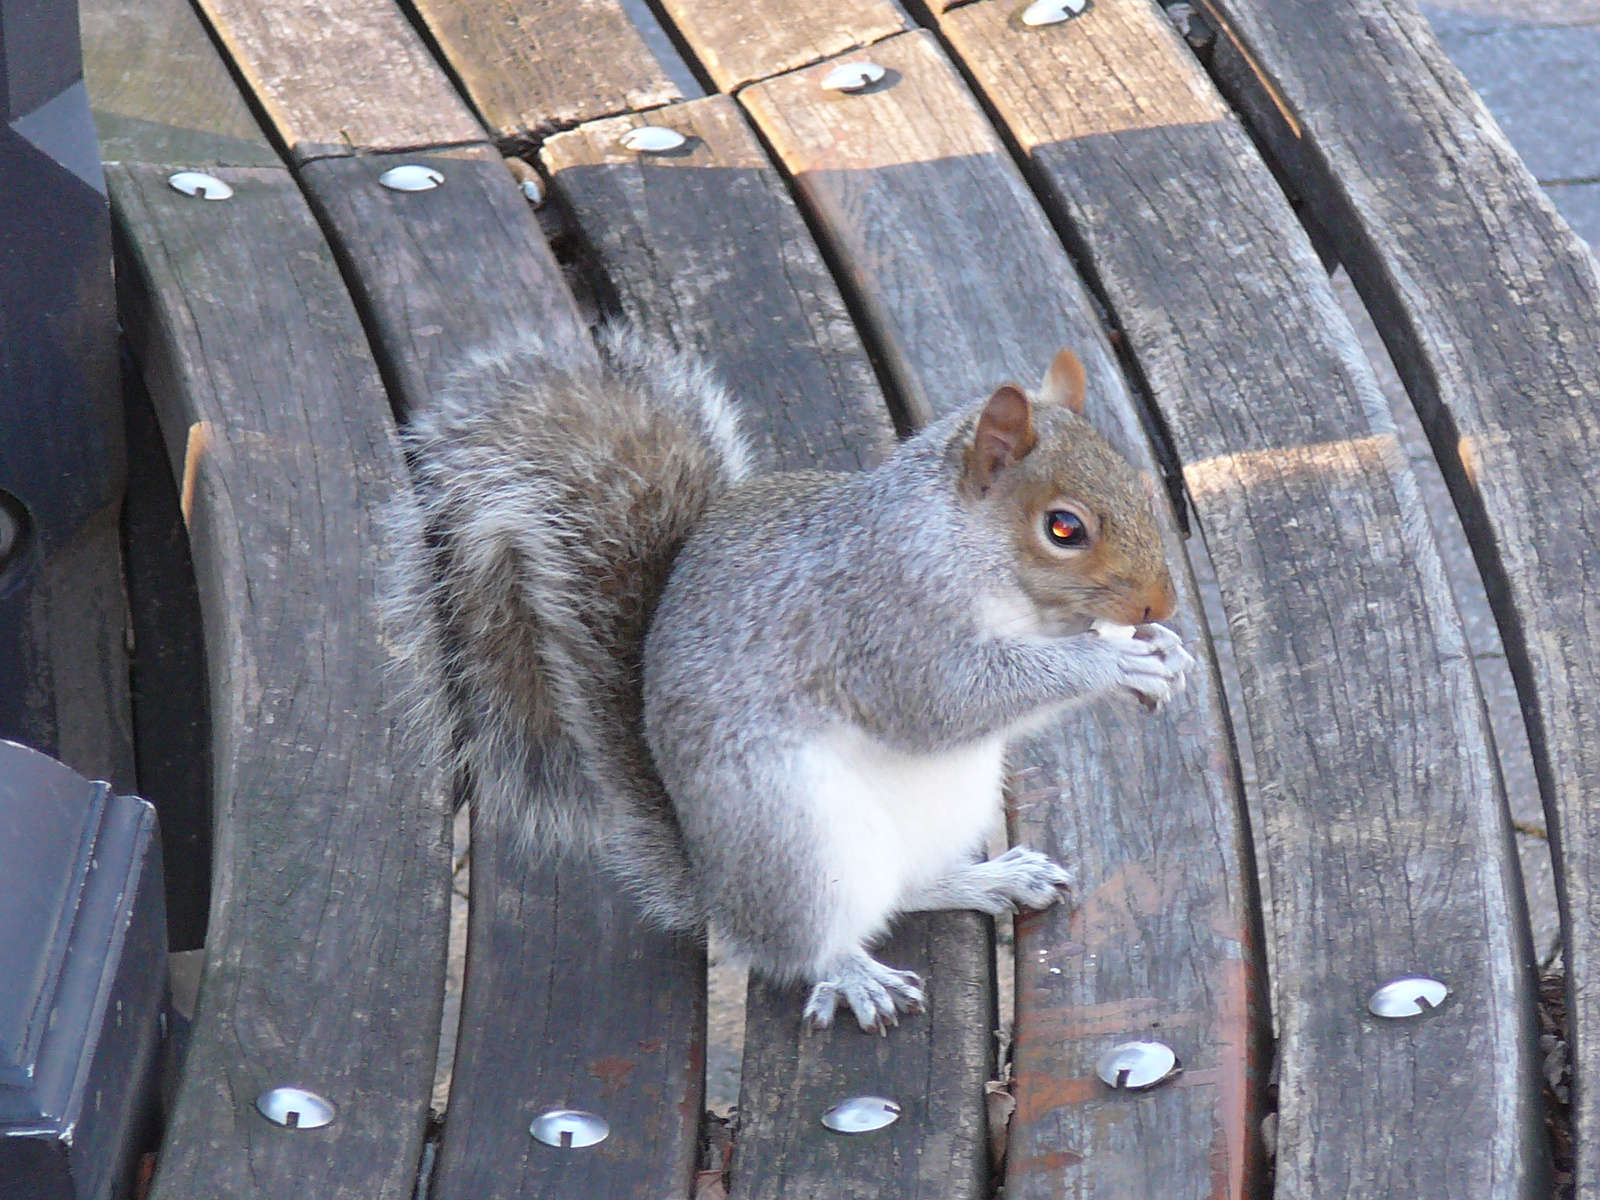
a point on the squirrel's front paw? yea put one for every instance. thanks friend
(1024, 879)
(1152, 664)
(876, 994)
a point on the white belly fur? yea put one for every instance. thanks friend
(892, 823)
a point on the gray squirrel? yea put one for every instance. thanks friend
(775, 703)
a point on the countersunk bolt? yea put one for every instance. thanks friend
(295, 1108)
(1136, 1066)
(199, 184)
(412, 177)
(852, 77)
(569, 1129)
(861, 1114)
(1053, 12)
(652, 139)
(1408, 997)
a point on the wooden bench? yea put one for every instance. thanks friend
(1324, 800)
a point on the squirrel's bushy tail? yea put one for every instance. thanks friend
(552, 495)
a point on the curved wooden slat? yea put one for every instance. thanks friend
(443, 277)
(1490, 308)
(964, 285)
(569, 1000)
(446, 275)
(707, 248)
(160, 93)
(1335, 595)
(325, 954)
(341, 78)
(738, 43)
(535, 68)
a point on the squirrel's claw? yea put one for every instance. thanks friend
(875, 994)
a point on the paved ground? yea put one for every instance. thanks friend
(1536, 63)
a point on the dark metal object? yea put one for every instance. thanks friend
(61, 449)
(83, 939)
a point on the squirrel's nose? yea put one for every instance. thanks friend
(1154, 602)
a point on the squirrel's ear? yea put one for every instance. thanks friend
(1004, 435)
(1064, 383)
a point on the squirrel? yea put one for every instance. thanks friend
(774, 703)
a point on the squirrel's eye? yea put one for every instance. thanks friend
(1065, 528)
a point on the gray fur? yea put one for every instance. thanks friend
(552, 494)
(806, 601)
(623, 640)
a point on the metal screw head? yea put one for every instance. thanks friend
(199, 184)
(295, 1108)
(569, 1129)
(652, 139)
(1134, 1066)
(1053, 12)
(861, 1114)
(1408, 997)
(852, 77)
(412, 177)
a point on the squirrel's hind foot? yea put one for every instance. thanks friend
(876, 994)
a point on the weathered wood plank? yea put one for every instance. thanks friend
(1490, 308)
(532, 68)
(1339, 610)
(570, 1002)
(707, 248)
(160, 92)
(341, 78)
(447, 276)
(933, 1065)
(964, 286)
(442, 275)
(738, 43)
(325, 957)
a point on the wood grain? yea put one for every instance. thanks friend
(535, 66)
(1490, 308)
(1385, 834)
(159, 90)
(706, 248)
(933, 1065)
(341, 78)
(571, 1002)
(325, 956)
(569, 999)
(446, 275)
(965, 286)
(739, 42)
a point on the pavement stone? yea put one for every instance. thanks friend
(1579, 203)
(1536, 63)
